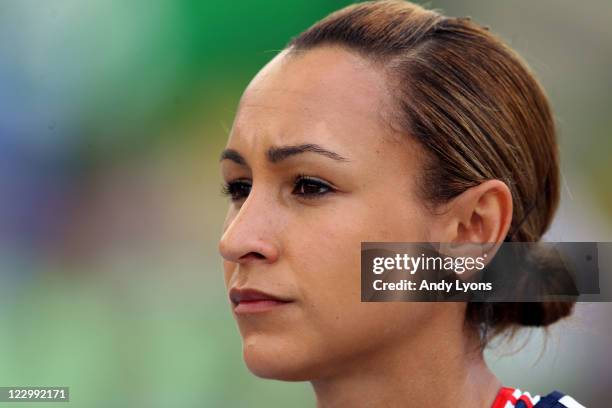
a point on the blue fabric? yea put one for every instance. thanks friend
(550, 401)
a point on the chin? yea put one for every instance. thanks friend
(273, 360)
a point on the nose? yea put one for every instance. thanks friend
(251, 235)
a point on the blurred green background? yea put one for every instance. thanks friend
(112, 117)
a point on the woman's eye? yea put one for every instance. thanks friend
(309, 187)
(237, 190)
(304, 186)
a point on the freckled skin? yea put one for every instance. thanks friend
(308, 250)
(329, 97)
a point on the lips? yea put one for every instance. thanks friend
(249, 300)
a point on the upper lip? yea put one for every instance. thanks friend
(245, 294)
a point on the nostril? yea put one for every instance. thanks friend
(252, 256)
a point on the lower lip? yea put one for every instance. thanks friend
(258, 306)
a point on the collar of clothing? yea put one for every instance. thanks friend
(509, 397)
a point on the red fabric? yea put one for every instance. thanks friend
(504, 395)
(526, 400)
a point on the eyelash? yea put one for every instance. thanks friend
(236, 189)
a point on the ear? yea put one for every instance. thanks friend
(481, 214)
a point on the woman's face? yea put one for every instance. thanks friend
(314, 169)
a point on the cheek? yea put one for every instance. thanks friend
(321, 252)
(332, 239)
(326, 263)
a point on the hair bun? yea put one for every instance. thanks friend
(552, 277)
(533, 314)
(539, 272)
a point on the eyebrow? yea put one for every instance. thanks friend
(233, 155)
(277, 154)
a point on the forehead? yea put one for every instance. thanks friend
(326, 94)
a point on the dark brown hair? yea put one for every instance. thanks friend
(475, 107)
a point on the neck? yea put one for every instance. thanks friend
(437, 369)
